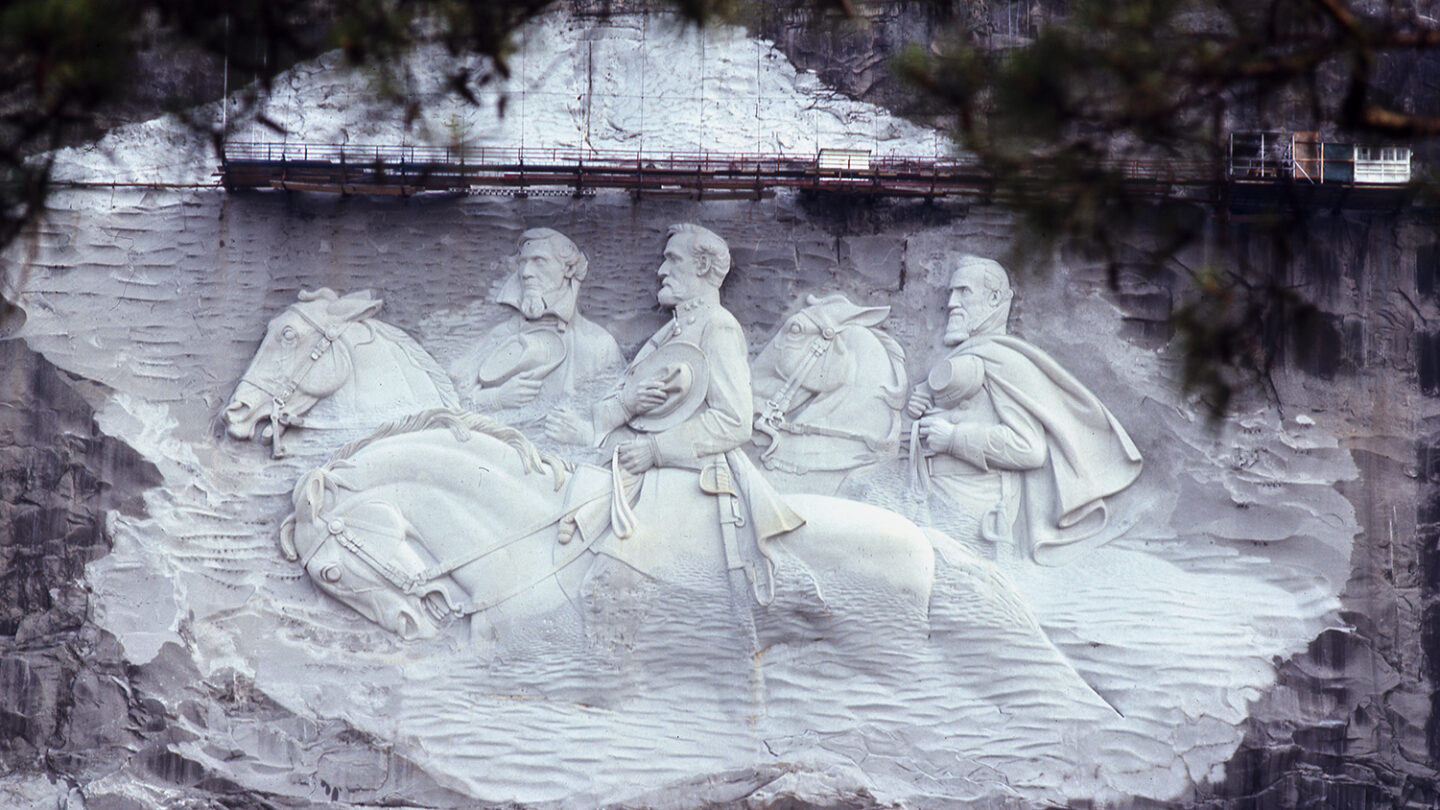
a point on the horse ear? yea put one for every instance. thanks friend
(311, 490)
(322, 294)
(868, 316)
(354, 307)
(287, 538)
(838, 312)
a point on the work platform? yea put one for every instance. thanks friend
(409, 170)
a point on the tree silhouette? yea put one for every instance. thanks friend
(1055, 110)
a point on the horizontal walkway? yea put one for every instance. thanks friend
(407, 170)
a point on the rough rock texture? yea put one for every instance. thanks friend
(73, 711)
(1347, 719)
(1351, 723)
(1355, 722)
(853, 55)
(64, 686)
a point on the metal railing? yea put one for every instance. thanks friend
(505, 156)
(401, 161)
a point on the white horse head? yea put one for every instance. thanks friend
(329, 349)
(829, 388)
(450, 514)
(408, 526)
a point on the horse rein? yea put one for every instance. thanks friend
(411, 584)
(772, 421)
(279, 420)
(919, 461)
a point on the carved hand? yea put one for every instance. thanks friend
(637, 456)
(512, 393)
(566, 427)
(920, 402)
(937, 431)
(643, 397)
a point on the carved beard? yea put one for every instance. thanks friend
(958, 328)
(532, 303)
(981, 319)
(535, 300)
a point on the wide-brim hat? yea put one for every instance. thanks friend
(532, 353)
(956, 379)
(683, 369)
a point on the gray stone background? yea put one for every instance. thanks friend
(1351, 722)
(1347, 724)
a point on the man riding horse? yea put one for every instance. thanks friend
(679, 417)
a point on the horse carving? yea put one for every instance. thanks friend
(828, 392)
(450, 514)
(327, 363)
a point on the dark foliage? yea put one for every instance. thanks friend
(1060, 109)
(1065, 111)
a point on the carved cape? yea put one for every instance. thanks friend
(1088, 457)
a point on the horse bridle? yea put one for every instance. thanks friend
(773, 422)
(415, 583)
(279, 420)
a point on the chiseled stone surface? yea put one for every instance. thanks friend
(192, 663)
(62, 679)
(1352, 721)
(217, 611)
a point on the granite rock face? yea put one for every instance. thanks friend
(65, 696)
(80, 726)
(203, 720)
(135, 682)
(1350, 722)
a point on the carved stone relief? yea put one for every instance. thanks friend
(546, 349)
(326, 363)
(1023, 450)
(591, 581)
(829, 387)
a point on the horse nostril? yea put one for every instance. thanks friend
(408, 628)
(239, 420)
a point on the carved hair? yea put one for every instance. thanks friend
(462, 424)
(576, 265)
(996, 279)
(310, 490)
(421, 360)
(897, 395)
(322, 294)
(707, 248)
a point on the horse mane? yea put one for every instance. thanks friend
(407, 345)
(894, 397)
(461, 424)
(422, 360)
(310, 489)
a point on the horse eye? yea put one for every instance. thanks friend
(330, 573)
